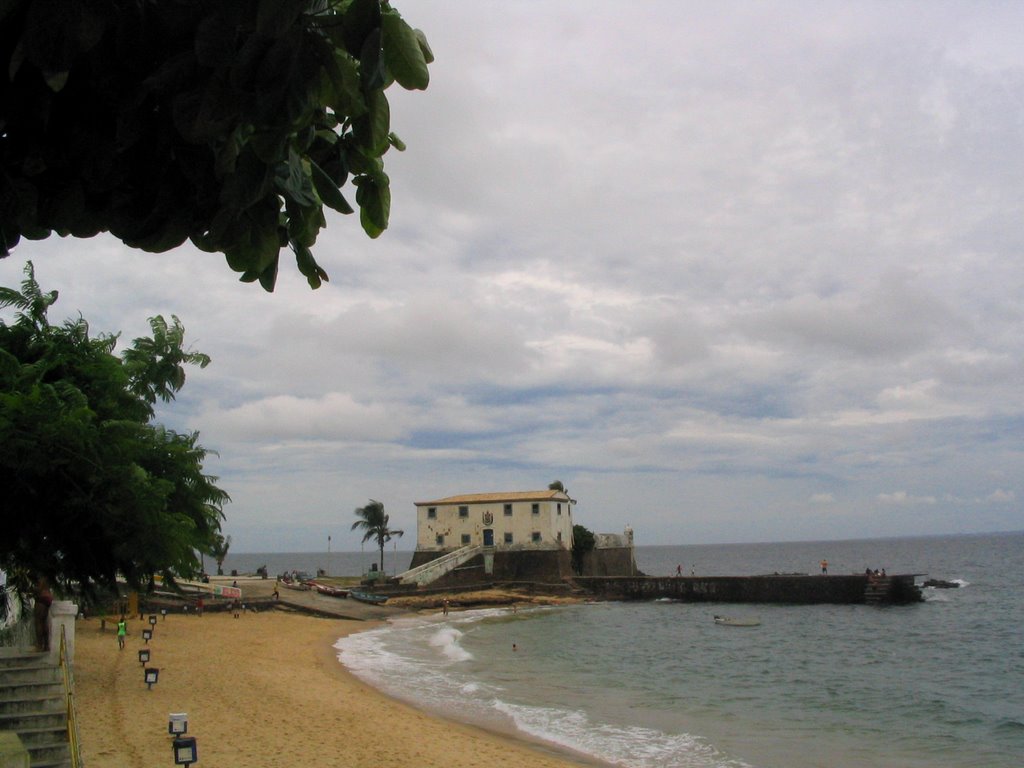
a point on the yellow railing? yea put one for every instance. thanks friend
(69, 700)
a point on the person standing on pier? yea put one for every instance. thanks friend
(824, 567)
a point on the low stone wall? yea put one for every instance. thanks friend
(610, 561)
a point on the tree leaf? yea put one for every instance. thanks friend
(308, 266)
(372, 72)
(358, 20)
(372, 129)
(421, 38)
(396, 142)
(329, 193)
(373, 194)
(292, 179)
(268, 277)
(402, 53)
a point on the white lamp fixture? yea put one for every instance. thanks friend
(147, 635)
(143, 656)
(150, 675)
(177, 723)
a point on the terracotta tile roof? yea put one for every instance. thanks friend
(483, 498)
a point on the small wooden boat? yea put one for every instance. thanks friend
(367, 597)
(327, 589)
(296, 585)
(725, 621)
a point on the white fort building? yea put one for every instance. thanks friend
(509, 536)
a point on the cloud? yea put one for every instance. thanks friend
(902, 498)
(1000, 496)
(697, 261)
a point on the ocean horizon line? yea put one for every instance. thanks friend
(956, 534)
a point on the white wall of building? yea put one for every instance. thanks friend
(521, 520)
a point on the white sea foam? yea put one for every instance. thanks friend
(632, 747)
(446, 640)
(402, 660)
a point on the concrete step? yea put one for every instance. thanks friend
(39, 719)
(29, 673)
(43, 738)
(12, 657)
(29, 690)
(46, 702)
(32, 704)
(51, 752)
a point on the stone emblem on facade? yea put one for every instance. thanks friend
(488, 518)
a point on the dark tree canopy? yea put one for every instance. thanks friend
(92, 489)
(583, 541)
(230, 123)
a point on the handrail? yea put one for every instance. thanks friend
(439, 562)
(74, 743)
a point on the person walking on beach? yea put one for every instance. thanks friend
(444, 607)
(122, 631)
(41, 613)
(199, 605)
(824, 567)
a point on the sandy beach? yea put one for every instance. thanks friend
(265, 689)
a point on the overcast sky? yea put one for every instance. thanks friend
(730, 271)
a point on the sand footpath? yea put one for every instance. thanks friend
(265, 690)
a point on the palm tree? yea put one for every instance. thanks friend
(219, 551)
(374, 522)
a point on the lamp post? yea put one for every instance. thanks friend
(163, 613)
(177, 723)
(328, 555)
(185, 752)
(151, 675)
(143, 656)
(152, 619)
(147, 635)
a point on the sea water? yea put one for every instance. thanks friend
(659, 685)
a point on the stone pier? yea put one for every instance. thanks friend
(775, 588)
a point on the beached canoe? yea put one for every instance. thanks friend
(725, 621)
(327, 589)
(367, 597)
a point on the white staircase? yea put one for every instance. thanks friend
(435, 569)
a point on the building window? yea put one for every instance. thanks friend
(508, 537)
(439, 540)
(559, 507)
(535, 537)
(431, 513)
(508, 510)
(463, 511)
(465, 539)
(535, 509)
